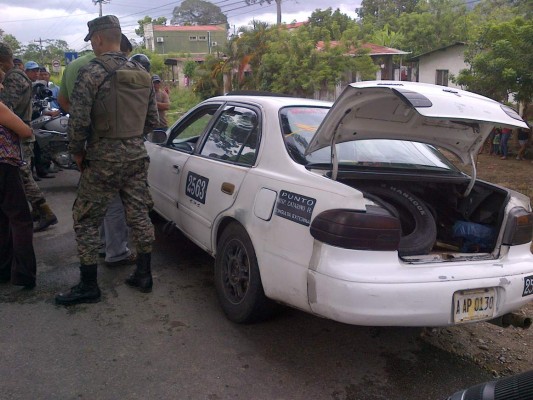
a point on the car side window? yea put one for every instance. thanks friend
(234, 137)
(184, 135)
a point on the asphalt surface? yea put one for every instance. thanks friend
(176, 343)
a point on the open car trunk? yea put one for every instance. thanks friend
(439, 223)
(444, 216)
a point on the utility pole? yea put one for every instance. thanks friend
(100, 2)
(40, 41)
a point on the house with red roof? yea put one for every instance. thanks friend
(382, 56)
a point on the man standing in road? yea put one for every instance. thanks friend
(17, 95)
(114, 230)
(106, 141)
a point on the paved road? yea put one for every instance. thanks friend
(175, 343)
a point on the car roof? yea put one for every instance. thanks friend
(280, 101)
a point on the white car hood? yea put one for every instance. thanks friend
(449, 118)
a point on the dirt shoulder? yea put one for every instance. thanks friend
(503, 351)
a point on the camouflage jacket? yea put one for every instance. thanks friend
(90, 83)
(17, 94)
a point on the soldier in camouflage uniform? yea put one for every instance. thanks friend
(17, 95)
(109, 149)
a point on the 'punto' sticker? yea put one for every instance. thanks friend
(295, 207)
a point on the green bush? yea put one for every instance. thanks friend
(181, 100)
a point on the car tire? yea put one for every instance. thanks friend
(237, 278)
(419, 230)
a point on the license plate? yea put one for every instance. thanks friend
(528, 286)
(473, 305)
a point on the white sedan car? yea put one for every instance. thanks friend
(351, 211)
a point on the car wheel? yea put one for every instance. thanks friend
(237, 279)
(419, 231)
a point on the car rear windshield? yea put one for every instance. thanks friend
(299, 125)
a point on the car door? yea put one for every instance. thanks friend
(167, 161)
(213, 176)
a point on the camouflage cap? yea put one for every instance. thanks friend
(101, 23)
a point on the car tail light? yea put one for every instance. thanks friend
(374, 229)
(519, 228)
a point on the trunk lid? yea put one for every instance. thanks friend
(453, 119)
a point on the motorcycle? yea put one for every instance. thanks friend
(51, 143)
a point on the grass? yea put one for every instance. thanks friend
(181, 100)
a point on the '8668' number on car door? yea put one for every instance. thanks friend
(196, 187)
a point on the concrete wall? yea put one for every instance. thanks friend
(199, 41)
(451, 59)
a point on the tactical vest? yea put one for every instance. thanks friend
(120, 113)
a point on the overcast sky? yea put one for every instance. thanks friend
(30, 20)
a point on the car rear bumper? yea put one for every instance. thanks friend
(379, 300)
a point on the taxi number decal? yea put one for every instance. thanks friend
(295, 207)
(196, 187)
(528, 286)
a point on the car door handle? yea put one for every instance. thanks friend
(177, 168)
(227, 188)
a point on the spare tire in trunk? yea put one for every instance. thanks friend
(419, 231)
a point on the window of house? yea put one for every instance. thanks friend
(203, 38)
(193, 38)
(441, 77)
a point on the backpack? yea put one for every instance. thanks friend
(121, 113)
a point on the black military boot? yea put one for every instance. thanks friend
(87, 291)
(142, 276)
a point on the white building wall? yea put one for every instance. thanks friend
(451, 59)
(149, 37)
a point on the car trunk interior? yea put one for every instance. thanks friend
(466, 226)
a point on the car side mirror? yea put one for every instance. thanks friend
(157, 136)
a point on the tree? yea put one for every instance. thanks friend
(248, 49)
(15, 45)
(198, 12)
(147, 20)
(434, 24)
(328, 24)
(261, 2)
(46, 52)
(293, 65)
(501, 60)
(208, 77)
(382, 12)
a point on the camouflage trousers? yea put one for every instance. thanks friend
(33, 193)
(99, 184)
